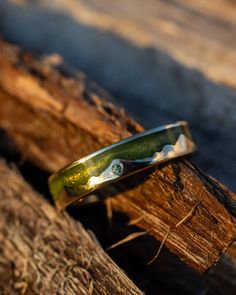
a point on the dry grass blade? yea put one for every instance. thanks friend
(127, 239)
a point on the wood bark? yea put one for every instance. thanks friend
(44, 251)
(171, 59)
(55, 118)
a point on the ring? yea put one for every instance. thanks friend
(120, 160)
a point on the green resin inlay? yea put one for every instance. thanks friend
(119, 160)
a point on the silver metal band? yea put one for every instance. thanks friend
(120, 160)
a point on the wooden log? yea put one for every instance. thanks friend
(44, 251)
(56, 119)
(175, 59)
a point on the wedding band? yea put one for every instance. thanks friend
(120, 160)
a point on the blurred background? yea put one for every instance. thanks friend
(162, 60)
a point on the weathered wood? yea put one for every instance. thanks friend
(44, 251)
(171, 59)
(55, 119)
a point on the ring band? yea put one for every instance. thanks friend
(120, 160)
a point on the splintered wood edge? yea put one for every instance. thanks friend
(55, 119)
(66, 258)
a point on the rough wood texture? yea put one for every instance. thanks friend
(44, 251)
(153, 55)
(55, 119)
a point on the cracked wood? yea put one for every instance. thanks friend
(56, 118)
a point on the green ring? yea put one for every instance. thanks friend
(120, 160)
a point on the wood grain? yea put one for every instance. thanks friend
(55, 119)
(44, 251)
(172, 59)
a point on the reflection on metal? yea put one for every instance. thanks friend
(120, 160)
